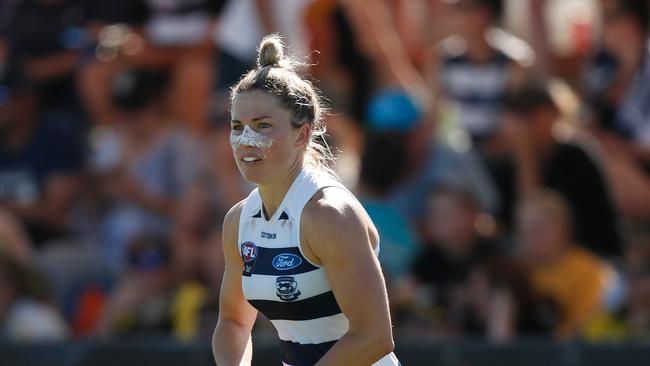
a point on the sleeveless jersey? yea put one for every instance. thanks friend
(282, 284)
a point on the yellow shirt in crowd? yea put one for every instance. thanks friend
(576, 283)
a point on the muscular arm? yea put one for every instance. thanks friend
(353, 272)
(231, 342)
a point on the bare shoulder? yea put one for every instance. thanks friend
(232, 216)
(231, 225)
(333, 215)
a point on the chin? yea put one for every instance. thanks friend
(254, 176)
(253, 179)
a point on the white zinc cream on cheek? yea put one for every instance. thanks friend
(248, 137)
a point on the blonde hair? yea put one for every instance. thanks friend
(276, 74)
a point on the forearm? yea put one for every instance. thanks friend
(391, 51)
(539, 38)
(357, 349)
(264, 14)
(231, 344)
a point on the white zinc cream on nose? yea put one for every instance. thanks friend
(248, 137)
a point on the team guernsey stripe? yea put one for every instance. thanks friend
(319, 330)
(283, 285)
(285, 261)
(311, 308)
(303, 354)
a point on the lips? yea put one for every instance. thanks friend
(248, 158)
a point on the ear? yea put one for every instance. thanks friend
(304, 134)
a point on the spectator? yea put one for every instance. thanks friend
(505, 303)
(174, 36)
(615, 84)
(22, 316)
(637, 255)
(40, 163)
(430, 162)
(141, 299)
(573, 277)
(541, 160)
(238, 44)
(143, 163)
(454, 249)
(470, 71)
(342, 67)
(14, 241)
(46, 39)
(474, 68)
(194, 252)
(616, 77)
(381, 167)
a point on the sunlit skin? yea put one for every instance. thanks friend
(274, 168)
(346, 254)
(543, 237)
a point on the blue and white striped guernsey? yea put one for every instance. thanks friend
(282, 284)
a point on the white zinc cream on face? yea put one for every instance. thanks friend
(248, 137)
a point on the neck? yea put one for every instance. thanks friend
(273, 193)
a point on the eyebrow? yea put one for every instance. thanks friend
(254, 119)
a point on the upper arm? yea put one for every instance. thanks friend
(233, 305)
(340, 234)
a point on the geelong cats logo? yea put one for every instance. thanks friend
(286, 288)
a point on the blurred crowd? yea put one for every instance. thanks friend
(502, 148)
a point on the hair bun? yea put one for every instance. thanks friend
(271, 51)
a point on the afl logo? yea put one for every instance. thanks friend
(248, 252)
(286, 261)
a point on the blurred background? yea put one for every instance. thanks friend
(502, 148)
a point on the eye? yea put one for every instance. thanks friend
(236, 127)
(263, 125)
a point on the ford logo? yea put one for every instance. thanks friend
(286, 261)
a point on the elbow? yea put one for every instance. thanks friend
(387, 346)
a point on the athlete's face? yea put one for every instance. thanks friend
(265, 144)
